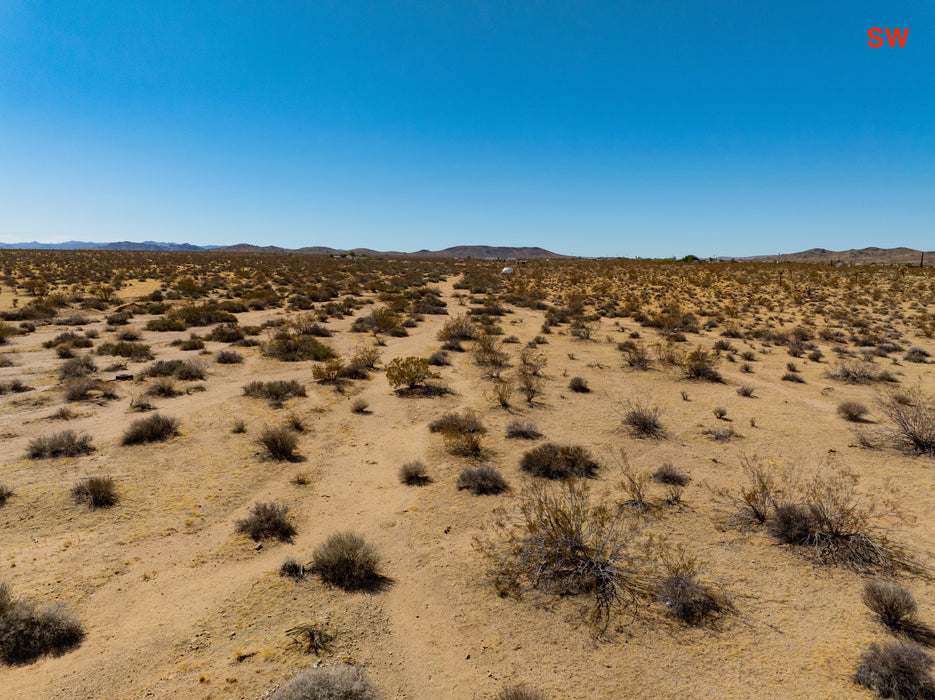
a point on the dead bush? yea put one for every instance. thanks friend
(852, 411)
(912, 414)
(668, 474)
(893, 604)
(5, 493)
(561, 543)
(267, 521)
(579, 385)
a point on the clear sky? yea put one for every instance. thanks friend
(589, 128)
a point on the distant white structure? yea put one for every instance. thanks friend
(506, 271)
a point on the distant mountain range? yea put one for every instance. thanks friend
(462, 251)
(854, 256)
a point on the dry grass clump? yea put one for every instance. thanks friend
(276, 392)
(414, 474)
(561, 542)
(347, 561)
(643, 420)
(668, 474)
(852, 411)
(701, 364)
(858, 373)
(686, 596)
(553, 461)
(228, 357)
(517, 430)
(163, 387)
(461, 431)
(26, 633)
(359, 405)
(267, 521)
(292, 569)
(64, 444)
(5, 493)
(898, 669)
(95, 492)
(155, 428)
(344, 682)
(482, 481)
(823, 515)
(280, 442)
(912, 415)
(579, 385)
(80, 366)
(519, 692)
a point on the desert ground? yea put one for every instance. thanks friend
(722, 371)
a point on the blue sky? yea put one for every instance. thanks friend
(589, 128)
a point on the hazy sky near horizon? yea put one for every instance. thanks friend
(589, 128)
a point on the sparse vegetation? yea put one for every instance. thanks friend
(155, 428)
(482, 481)
(27, 633)
(414, 474)
(267, 521)
(64, 444)
(95, 492)
(347, 561)
(553, 461)
(344, 682)
(280, 442)
(897, 669)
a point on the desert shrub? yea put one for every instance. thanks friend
(517, 430)
(518, 692)
(685, 594)
(852, 411)
(858, 373)
(912, 415)
(344, 682)
(553, 461)
(5, 493)
(721, 434)
(898, 669)
(635, 354)
(228, 357)
(15, 386)
(163, 387)
(916, 354)
(163, 368)
(79, 389)
(643, 420)
(164, 324)
(26, 633)
(746, 391)
(893, 604)
(155, 428)
(137, 352)
(295, 422)
(95, 491)
(489, 354)
(280, 443)
(457, 328)
(359, 405)
(64, 444)
(670, 475)
(6, 332)
(757, 498)
(192, 344)
(226, 333)
(482, 481)
(792, 377)
(347, 561)
(276, 391)
(701, 364)
(291, 568)
(414, 474)
(267, 521)
(501, 391)
(288, 345)
(380, 320)
(560, 542)
(454, 423)
(579, 385)
(77, 367)
(408, 372)
(329, 372)
(239, 426)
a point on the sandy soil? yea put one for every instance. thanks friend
(177, 604)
